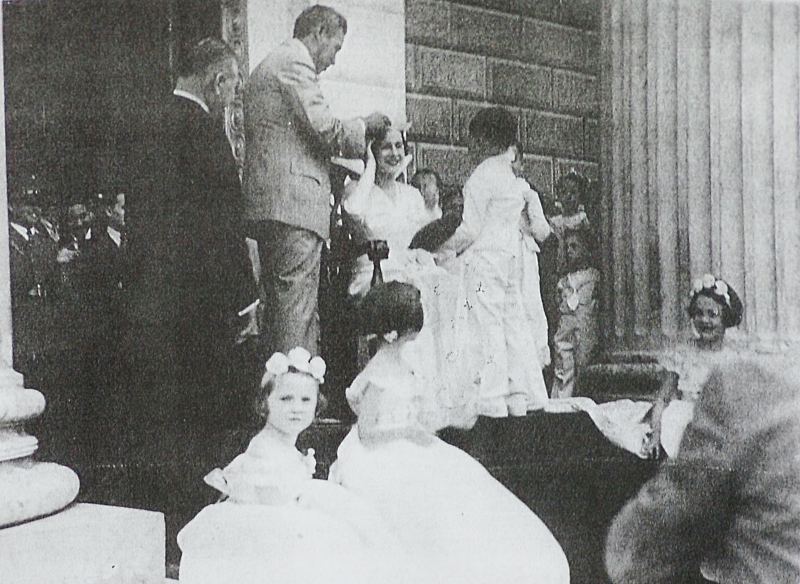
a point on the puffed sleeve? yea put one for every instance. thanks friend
(534, 221)
(345, 138)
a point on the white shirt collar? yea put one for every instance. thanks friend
(115, 235)
(21, 230)
(191, 97)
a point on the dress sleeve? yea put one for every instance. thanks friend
(345, 138)
(534, 221)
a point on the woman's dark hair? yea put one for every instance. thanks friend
(494, 126)
(732, 307)
(393, 306)
(266, 387)
(416, 180)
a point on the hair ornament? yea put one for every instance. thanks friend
(709, 282)
(298, 359)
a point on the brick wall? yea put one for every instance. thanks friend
(539, 58)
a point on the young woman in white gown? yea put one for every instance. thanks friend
(497, 335)
(455, 522)
(276, 523)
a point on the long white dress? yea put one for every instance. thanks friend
(455, 522)
(395, 215)
(280, 525)
(496, 336)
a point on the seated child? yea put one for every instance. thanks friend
(576, 337)
(275, 523)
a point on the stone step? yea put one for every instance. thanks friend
(85, 544)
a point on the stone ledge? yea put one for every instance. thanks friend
(31, 489)
(85, 544)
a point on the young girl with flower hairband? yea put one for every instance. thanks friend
(274, 522)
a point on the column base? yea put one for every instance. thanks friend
(31, 489)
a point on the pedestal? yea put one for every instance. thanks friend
(85, 544)
(28, 489)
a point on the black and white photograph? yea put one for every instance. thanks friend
(400, 292)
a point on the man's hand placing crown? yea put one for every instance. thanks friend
(376, 121)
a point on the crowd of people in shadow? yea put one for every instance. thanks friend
(480, 300)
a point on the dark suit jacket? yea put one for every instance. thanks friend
(731, 499)
(189, 256)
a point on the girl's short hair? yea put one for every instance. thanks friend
(393, 306)
(266, 387)
(495, 126)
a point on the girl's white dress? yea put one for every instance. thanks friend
(496, 335)
(395, 215)
(455, 522)
(624, 421)
(280, 525)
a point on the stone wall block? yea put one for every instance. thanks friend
(517, 84)
(591, 139)
(544, 43)
(485, 32)
(452, 163)
(539, 173)
(431, 118)
(583, 14)
(411, 67)
(428, 22)
(554, 134)
(450, 73)
(574, 93)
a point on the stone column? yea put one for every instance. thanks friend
(701, 106)
(28, 489)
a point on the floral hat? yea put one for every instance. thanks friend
(298, 359)
(723, 293)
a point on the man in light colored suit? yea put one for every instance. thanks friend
(291, 135)
(727, 509)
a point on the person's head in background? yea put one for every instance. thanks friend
(210, 71)
(518, 164)
(492, 131)
(321, 29)
(578, 246)
(714, 307)
(428, 182)
(571, 192)
(111, 210)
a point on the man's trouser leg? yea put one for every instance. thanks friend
(290, 261)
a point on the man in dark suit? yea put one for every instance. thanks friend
(194, 279)
(727, 509)
(291, 136)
